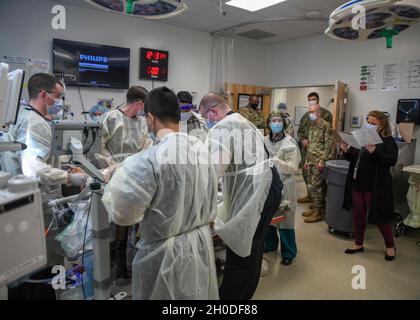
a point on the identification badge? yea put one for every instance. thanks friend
(355, 173)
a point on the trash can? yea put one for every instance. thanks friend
(413, 197)
(337, 218)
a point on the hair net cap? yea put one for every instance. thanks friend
(185, 97)
(282, 106)
(275, 114)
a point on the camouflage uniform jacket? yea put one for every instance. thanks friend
(305, 123)
(321, 143)
(253, 116)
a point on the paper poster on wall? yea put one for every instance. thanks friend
(29, 65)
(391, 77)
(368, 77)
(413, 74)
(14, 62)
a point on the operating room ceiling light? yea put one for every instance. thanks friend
(149, 9)
(253, 5)
(384, 19)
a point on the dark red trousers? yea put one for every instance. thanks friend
(361, 201)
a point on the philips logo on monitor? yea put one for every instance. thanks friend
(90, 63)
(90, 58)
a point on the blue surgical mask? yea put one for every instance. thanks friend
(153, 137)
(313, 116)
(57, 102)
(151, 133)
(371, 126)
(276, 127)
(141, 114)
(56, 108)
(210, 124)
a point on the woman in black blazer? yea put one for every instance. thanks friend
(369, 184)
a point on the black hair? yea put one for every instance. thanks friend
(163, 104)
(39, 82)
(314, 94)
(136, 94)
(185, 97)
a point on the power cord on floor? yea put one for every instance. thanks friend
(83, 251)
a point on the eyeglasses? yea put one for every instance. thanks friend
(204, 114)
(55, 92)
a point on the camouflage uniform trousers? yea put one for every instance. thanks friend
(303, 133)
(305, 173)
(317, 186)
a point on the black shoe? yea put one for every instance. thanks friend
(286, 262)
(352, 251)
(390, 258)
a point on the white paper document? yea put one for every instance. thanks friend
(360, 138)
(413, 74)
(391, 77)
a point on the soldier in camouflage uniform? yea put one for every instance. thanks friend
(303, 135)
(250, 112)
(321, 149)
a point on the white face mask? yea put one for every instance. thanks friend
(185, 116)
(312, 103)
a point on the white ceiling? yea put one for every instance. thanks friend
(203, 15)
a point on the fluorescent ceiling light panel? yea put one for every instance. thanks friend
(253, 5)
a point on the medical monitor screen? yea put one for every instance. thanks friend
(91, 65)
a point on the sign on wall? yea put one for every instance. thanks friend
(368, 77)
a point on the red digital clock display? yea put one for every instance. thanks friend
(154, 64)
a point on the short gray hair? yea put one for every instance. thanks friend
(211, 100)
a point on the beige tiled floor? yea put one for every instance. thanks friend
(322, 270)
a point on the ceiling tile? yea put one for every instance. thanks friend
(278, 28)
(314, 27)
(199, 5)
(288, 37)
(316, 5)
(280, 10)
(202, 21)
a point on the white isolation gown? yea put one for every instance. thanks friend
(122, 137)
(286, 157)
(174, 201)
(241, 160)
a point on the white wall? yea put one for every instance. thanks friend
(249, 63)
(29, 34)
(321, 60)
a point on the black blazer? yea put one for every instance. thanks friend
(385, 155)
